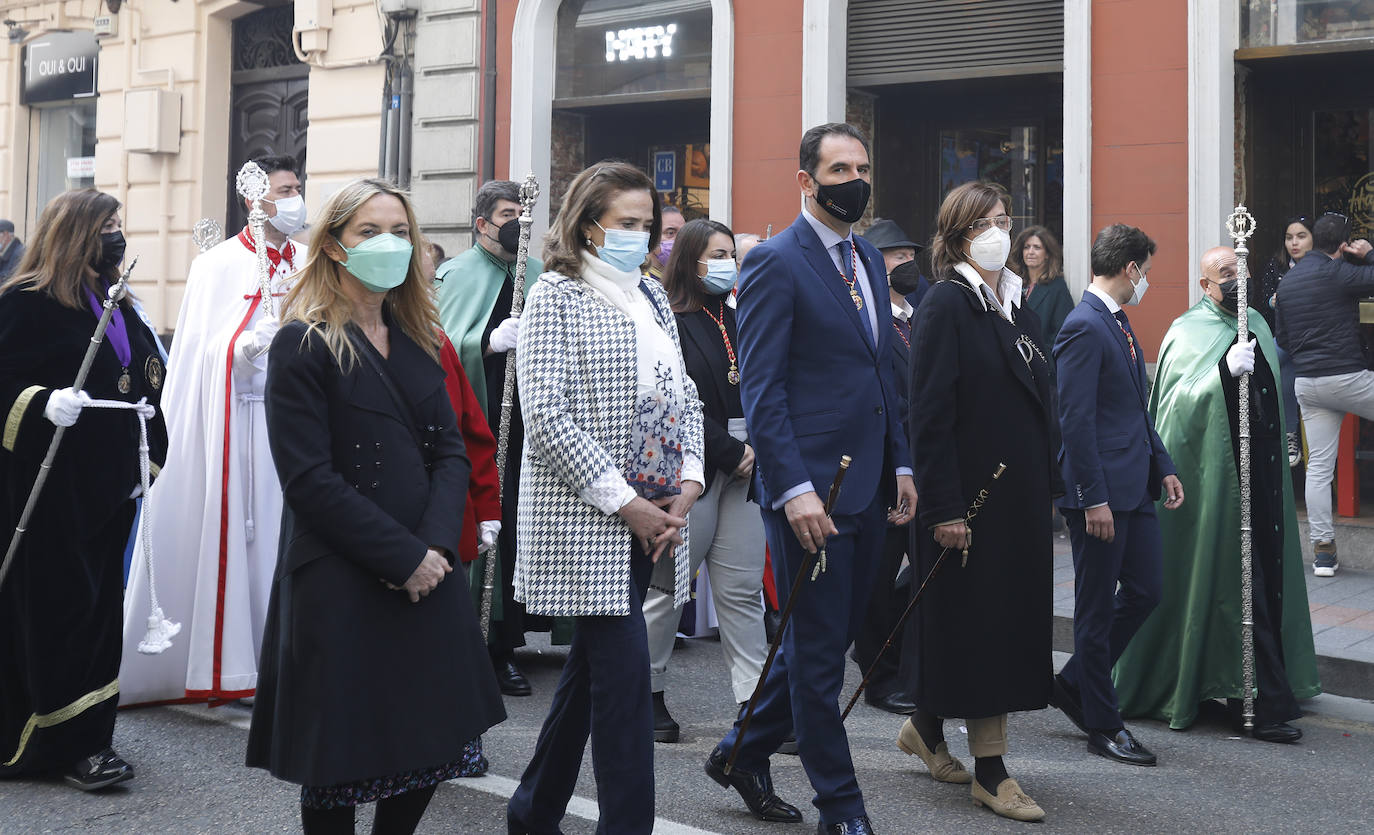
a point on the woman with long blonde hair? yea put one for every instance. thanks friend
(61, 603)
(371, 638)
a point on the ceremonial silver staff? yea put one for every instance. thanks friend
(207, 233)
(529, 195)
(1241, 225)
(252, 184)
(112, 297)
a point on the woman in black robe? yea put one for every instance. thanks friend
(61, 605)
(978, 645)
(374, 679)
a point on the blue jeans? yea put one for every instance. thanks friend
(604, 694)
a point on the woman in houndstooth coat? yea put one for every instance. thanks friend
(612, 464)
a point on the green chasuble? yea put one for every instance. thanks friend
(468, 286)
(1189, 649)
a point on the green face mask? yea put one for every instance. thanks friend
(381, 262)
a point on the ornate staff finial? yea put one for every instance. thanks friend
(1240, 225)
(206, 233)
(251, 182)
(529, 193)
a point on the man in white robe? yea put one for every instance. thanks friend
(216, 507)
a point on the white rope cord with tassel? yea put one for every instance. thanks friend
(160, 630)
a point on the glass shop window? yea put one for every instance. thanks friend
(65, 147)
(624, 47)
(1343, 176)
(1285, 22)
(1009, 157)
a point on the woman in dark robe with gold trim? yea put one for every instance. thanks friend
(61, 603)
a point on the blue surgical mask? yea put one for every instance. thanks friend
(381, 262)
(624, 249)
(721, 275)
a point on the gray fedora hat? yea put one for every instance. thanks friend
(886, 234)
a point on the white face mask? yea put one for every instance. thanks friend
(290, 216)
(1138, 288)
(990, 249)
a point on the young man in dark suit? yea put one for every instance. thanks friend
(816, 383)
(1115, 468)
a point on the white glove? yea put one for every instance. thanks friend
(1241, 358)
(65, 405)
(505, 336)
(487, 532)
(251, 347)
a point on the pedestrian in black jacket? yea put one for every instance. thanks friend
(1319, 325)
(374, 679)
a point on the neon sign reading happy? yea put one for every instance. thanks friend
(640, 42)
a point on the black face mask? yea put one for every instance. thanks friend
(845, 201)
(508, 235)
(1230, 294)
(905, 278)
(111, 251)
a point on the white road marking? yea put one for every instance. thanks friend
(579, 806)
(495, 784)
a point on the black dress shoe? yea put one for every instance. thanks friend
(510, 679)
(893, 702)
(756, 789)
(853, 826)
(1065, 697)
(1276, 732)
(666, 729)
(98, 771)
(1121, 747)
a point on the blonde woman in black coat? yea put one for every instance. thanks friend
(374, 679)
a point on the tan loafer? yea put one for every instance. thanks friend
(1010, 801)
(943, 767)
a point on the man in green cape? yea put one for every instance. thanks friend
(476, 292)
(1189, 650)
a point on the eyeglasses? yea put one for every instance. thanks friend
(983, 224)
(1343, 218)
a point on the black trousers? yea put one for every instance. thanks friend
(885, 608)
(603, 694)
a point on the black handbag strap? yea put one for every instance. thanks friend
(369, 354)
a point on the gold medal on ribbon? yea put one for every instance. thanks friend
(858, 300)
(126, 383)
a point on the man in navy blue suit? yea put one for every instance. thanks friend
(815, 333)
(1115, 468)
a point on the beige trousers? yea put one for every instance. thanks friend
(987, 737)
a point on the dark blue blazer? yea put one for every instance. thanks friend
(813, 384)
(1111, 452)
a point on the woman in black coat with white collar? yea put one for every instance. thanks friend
(978, 645)
(374, 676)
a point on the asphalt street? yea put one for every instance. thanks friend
(190, 777)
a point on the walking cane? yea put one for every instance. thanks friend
(910, 607)
(1241, 225)
(529, 195)
(845, 461)
(112, 297)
